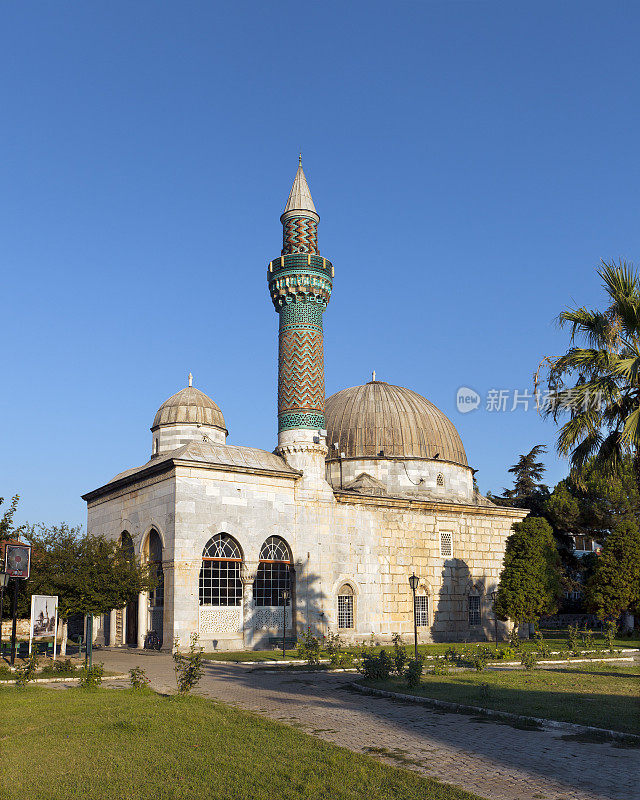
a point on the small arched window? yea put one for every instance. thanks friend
(126, 543)
(440, 479)
(274, 573)
(345, 606)
(220, 583)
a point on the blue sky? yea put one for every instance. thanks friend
(471, 162)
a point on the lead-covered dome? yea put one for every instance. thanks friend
(382, 420)
(189, 406)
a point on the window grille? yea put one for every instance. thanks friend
(474, 610)
(440, 479)
(345, 607)
(274, 573)
(422, 611)
(446, 544)
(220, 583)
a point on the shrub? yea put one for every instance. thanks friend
(413, 673)
(452, 654)
(399, 654)
(189, 667)
(376, 667)
(610, 635)
(343, 660)
(27, 670)
(91, 677)
(529, 659)
(572, 632)
(541, 646)
(514, 640)
(64, 665)
(439, 666)
(505, 654)
(138, 678)
(308, 648)
(478, 657)
(333, 643)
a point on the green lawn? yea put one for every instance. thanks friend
(121, 744)
(555, 641)
(603, 695)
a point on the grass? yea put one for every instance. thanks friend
(138, 745)
(602, 695)
(555, 640)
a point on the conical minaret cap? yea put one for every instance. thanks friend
(300, 196)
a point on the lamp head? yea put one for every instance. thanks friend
(414, 580)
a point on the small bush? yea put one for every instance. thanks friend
(514, 639)
(610, 635)
(399, 654)
(26, 672)
(505, 654)
(189, 667)
(413, 673)
(529, 659)
(541, 646)
(343, 660)
(333, 643)
(91, 677)
(453, 655)
(138, 678)
(308, 648)
(376, 667)
(439, 666)
(574, 644)
(64, 665)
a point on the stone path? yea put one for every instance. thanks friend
(494, 760)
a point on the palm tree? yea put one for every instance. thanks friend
(597, 381)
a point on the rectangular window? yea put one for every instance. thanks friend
(474, 611)
(446, 544)
(345, 611)
(422, 612)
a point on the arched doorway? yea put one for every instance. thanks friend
(155, 606)
(131, 609)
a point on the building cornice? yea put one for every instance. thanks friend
(167, 466)
(428, 505)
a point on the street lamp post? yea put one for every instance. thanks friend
(413, 583)
(495, 616)
(4, 582)
(286, 594)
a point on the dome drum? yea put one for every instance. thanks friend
(187, 416)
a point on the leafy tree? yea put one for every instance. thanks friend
(530, 580)
(528, 491)
(596, 382)
(89, 574)
(8, 529)
(614, 585)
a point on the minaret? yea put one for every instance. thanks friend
(300, 287)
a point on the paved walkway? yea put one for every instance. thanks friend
(494, 760)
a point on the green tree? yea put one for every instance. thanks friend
(614, 585)
(528, 491)
(8, 530)
(530, 579)
(89, 574)
(597, 381)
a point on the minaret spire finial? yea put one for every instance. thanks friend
(190, 379)
(300, 158)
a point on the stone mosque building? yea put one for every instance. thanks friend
(362, 490)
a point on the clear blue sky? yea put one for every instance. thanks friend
(471, 162)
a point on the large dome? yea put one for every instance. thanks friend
(189, 405)
(387, 421)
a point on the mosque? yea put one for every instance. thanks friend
(363, 490)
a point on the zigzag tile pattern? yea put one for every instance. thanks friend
(300, 371)
(299, 235)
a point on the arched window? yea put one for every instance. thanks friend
(156, 596)
(440, 480)
(345, 606)
(422, 608)
(475, 611)
(220, 583)
(126, 543)
(274, 573)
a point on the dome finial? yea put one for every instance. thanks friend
(300, 158)
(373, 375)
(190, 379)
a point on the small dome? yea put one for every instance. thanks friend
(378, 418)
(189, 405)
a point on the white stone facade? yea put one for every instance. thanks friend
(372, 543)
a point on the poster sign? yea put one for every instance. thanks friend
(17, 560)
(44, 618)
